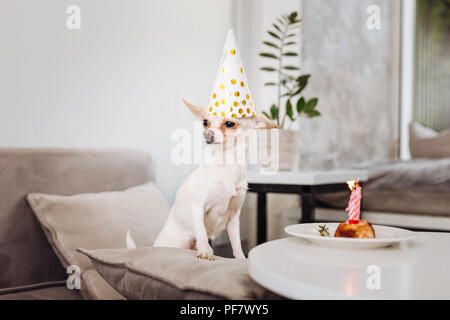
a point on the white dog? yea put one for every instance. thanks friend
(211, 198)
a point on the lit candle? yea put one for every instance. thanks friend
(354, 204)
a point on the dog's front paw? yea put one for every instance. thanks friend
(205, 253)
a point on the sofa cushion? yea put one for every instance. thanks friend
(430, 203)
(94, 287)
(427, 143)
(418, 186)
(172, 273)
(99, 220)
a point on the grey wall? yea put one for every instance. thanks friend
(355, 73)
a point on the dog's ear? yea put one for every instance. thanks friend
(198, 112)
(260, 121)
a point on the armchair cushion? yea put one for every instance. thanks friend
(115, 219)
(171, 273)
(427, 143)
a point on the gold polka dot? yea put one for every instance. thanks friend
(241, 111)
(231, 109)
(224, 70)
(242, 84)
(242, 70)
(236, 103)
(233, 52)
(251, 103)
(247, 96)
(248, 110)
(223, 114)
(244, 116)
(217, 103)
(215, 114)
(244, 102)
(223, 101)
(233, 81)
(210, 109)
(233, 116)
(222, 86)
(214, 96)
(254, 113)
(237, 93)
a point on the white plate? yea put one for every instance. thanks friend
(385, 236)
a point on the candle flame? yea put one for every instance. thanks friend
(352, 184)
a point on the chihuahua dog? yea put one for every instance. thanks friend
(211, 198)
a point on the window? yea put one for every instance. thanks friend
(432, 64)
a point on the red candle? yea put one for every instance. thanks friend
(354, 204)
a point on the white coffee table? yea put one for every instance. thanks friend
(304, 183)
(298, 269)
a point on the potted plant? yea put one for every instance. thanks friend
(289, 84)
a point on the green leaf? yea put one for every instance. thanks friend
(291, 35)
(302, 82)
(273, 34)
(294, 24)
(270, 84)
(268, 116)
(301, 105)
(277, 27)
(269, 69)
(293, 16)
(270, 44)
(313, 113)
(268, 55)
(289, 110)
(290, 43)
(303, 79)
(274, 112)
(311, 104)
(291, 68)
(290, 54)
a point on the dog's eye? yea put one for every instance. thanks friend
(205, 123)
(229, 124)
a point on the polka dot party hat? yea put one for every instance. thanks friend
(230, 97)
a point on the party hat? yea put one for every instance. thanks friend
(230, 97)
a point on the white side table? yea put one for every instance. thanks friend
(298, 269)
(303, 183)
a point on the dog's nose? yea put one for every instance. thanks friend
(209, 136)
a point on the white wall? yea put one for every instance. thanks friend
(117, 82)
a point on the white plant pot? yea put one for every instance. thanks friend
(289, 150)
(279, 150)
